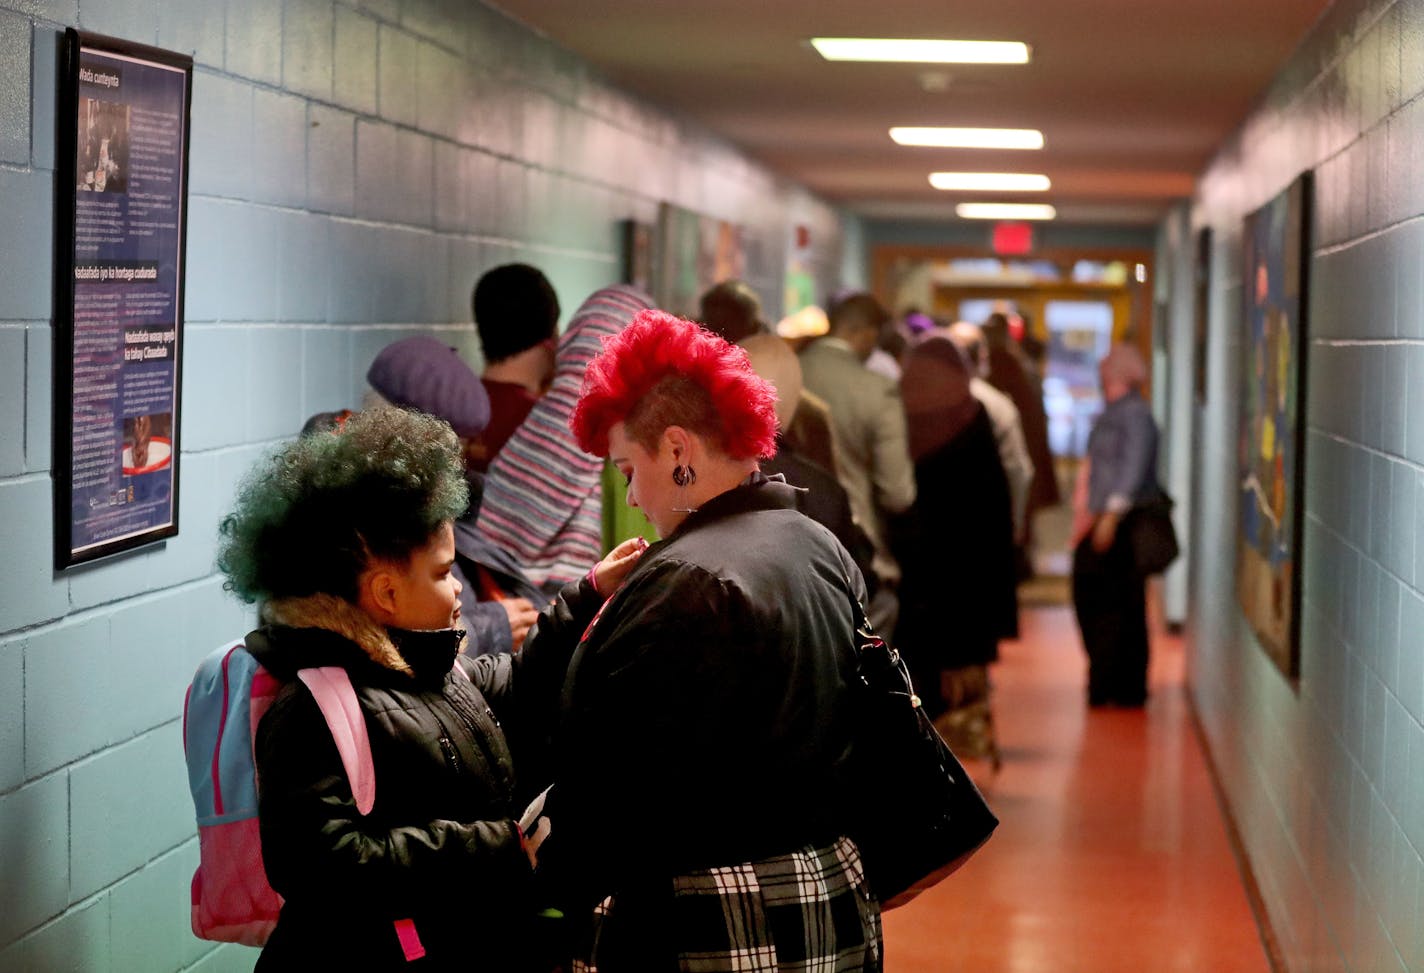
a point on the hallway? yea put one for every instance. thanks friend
(1112, 855)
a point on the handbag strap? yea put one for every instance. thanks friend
(867, 640)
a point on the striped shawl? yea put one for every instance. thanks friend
(543, 497)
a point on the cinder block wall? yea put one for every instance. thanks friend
(354, 168)
(1326, 780)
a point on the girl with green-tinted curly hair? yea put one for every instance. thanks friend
(344, 539)
(314, 514)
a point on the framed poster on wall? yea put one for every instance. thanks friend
(121, 189)
(637, 254)
(693, 253)
(1272, 434)
(1201, 296)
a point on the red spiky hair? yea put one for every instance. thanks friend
(662, 370)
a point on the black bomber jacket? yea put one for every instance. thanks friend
(706, 717)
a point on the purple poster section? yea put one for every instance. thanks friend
(127, 254)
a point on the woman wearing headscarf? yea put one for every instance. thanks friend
(956, 546)
(700, 756)
(1109, 593)
(543, 497)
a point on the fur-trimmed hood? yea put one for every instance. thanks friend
(339, 616)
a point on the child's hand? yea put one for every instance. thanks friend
(609, 573)
(535, 838)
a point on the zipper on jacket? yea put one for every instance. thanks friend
(468, 715)
(477, 739)
(452, 759)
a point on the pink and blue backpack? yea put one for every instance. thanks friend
(232, 901)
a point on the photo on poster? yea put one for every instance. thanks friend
(103, 147)
(148, 443)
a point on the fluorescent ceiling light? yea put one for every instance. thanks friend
(920, 51)
(970, 138)
(1005, 211)
(1011, 182)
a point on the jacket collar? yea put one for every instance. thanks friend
(757, 492)
(414, 654)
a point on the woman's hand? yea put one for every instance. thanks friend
(609, 573)
(522, 616)
(1105, 532)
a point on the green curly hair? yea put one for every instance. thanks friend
(311, 516)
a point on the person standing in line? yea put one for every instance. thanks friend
(1003, 416)
(1109, 593)
(423, 373)
(823, 499)
(545, 500)
(1009, 373)
(868, 418)
(732, 311)
(517, 316)
(958, 596)
(708, 713)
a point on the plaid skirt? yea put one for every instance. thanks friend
(810, 911)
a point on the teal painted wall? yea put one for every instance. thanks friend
(354, 168)
(1326, 780)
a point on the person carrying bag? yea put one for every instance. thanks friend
(1122, 534)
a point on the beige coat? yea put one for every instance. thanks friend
(868, 419)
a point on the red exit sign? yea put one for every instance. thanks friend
(1013, 239)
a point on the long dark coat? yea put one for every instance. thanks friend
(958, 596)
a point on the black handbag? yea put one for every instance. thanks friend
(917, 814)
(1151, 534)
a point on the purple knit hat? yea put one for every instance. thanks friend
(426, 374)
(918, 323)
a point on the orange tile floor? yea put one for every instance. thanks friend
(1112, 855)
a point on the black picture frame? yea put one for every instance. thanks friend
(120, 251)
(1271, 437)
(1201, 317)
(638, 249)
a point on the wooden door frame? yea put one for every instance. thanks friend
(884, 255)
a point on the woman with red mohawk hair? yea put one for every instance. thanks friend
(698, 799)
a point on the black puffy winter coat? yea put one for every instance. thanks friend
(440, 847)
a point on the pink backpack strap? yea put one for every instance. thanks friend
(331, 688)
